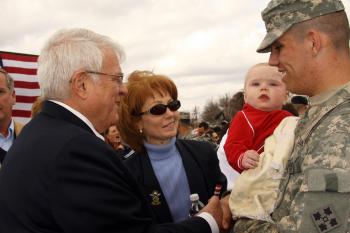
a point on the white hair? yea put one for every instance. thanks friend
(67, 51)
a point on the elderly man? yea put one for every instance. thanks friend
(61, 176)
(308, 41)
(9, 129)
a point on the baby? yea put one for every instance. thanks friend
(264, 96)
(255, 191)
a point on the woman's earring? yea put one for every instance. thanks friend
(141, 131)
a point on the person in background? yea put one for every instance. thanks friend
(202, 130)
(264, 95)
(300, 103)
(185, 129)
(169, 169)
(36, 107)
(113, 138)
(236, 104)
(309, 42)
(289, 107)
(9, 129)
(215, 137)
(223, 129)
(203, 133)
(60, 175)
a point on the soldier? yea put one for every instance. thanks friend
(308, 41)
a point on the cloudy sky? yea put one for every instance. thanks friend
(205, 46)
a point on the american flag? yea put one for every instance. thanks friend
(22, 68)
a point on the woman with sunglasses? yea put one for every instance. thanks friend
(168, 169)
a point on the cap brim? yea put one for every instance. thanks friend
(265, 45)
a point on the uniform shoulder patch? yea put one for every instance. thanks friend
(325, 219)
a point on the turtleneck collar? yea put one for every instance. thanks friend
(160, 151)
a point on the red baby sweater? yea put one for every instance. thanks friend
(248, 130)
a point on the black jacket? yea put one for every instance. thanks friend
(59, 177)
(202, 169)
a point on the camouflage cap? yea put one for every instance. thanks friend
(280, 15)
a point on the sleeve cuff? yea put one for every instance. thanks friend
(210, 220)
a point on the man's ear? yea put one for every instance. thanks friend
(314, 41)
(79, 82)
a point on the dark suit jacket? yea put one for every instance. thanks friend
(59, 177)
(202, 169)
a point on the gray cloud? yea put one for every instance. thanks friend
(204, 46)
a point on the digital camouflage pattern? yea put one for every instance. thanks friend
(280, 15)
(315, 188)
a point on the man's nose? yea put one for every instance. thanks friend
(122, 89)
(273, 59)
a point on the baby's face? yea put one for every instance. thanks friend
(264, 89)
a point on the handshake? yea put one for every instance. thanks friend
(220, 210)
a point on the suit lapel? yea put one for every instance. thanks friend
(194, 172)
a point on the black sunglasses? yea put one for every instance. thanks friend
(160, 109)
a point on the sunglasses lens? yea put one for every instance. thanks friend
(158, 109)
(174, 105)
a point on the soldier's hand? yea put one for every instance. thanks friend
(226, 213)
(214, 208)
(250, 159)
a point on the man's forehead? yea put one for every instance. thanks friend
(2, 78)
(110, 59)
(2, 74)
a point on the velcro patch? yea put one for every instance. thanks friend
(325, 219)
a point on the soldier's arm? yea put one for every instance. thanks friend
(322, 202)
(254, 226)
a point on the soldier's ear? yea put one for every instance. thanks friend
(315, 41)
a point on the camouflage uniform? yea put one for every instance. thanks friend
(315, 187)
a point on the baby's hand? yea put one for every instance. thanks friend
(250, 159)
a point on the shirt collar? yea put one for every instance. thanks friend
(12, 127)
(80, 116)
(323, 97)
(11, 130)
